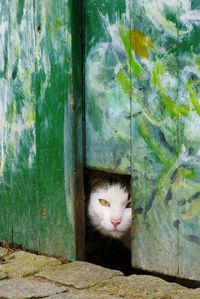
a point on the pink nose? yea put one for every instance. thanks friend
(115, 222)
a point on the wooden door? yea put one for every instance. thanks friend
(146, 54)
(165, 137)
(39, 124)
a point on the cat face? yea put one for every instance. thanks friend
(109, 210)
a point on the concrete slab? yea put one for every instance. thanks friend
(20, 264)
(3, 251)
(79, 274)
(83, 294)
(2, 275)
(145, 287)
(79, 280)
(21, 288)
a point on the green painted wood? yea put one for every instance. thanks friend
(148, 53)
(156, 144)
(142, 117)
(166, 144)
(107, 106)
(38, 111)
(187, 182)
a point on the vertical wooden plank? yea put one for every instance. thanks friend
(40, 111)
(107, 105)
(156, 148)
(188, 173)
(58, 128)
(5, 202)
(165, 153)
(17, 123)
(53, 83)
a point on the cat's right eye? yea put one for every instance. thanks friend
(104, 202)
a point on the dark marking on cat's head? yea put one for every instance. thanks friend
(99, 179)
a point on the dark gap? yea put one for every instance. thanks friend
(191, 284)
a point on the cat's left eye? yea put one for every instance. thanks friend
(128, 204)
(104, 202)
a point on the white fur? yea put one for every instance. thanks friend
(101, 216)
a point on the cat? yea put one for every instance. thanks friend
(109, 206)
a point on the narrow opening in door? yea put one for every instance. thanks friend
(108, 220)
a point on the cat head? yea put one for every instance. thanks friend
(110, 210)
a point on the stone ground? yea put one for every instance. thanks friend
(26, 275)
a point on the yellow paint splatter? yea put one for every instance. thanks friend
(140, 43)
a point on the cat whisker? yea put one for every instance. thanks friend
(91, 227)
(98, 227)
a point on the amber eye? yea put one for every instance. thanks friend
(128, 204)
(104, 202)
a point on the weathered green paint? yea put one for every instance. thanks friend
(147, 53)
(165, 157)
(107, 106)
(38, 155)
(142, 117)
